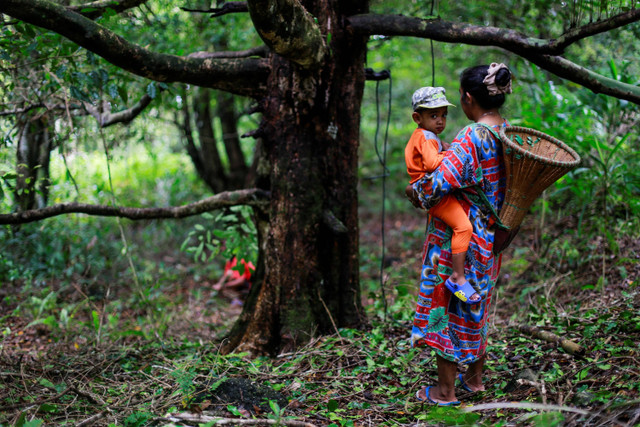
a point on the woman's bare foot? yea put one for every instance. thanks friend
(471, 384)
(433, 394)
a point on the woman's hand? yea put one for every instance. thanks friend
(412, 196)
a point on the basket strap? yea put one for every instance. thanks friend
(481, 194)
(491, 130)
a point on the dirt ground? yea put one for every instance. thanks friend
(598, 382)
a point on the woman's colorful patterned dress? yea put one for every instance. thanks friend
(456, 330)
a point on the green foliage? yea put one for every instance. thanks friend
(22, 422)
(75, 281)
(138, 419)
(231, 233)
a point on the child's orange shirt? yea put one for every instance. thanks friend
(423, 153)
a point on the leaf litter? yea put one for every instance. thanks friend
(360, 378)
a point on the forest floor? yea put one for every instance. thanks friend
(54, 372)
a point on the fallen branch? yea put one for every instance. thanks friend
(217, 421)
(251, 197)
(89, 421)
(567, 345)
(524, 405)
(540, 386)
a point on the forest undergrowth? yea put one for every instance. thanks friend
(84, 356)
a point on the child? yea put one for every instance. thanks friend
(234, 279)
(423, 153)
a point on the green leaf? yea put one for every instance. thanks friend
(402, 290)
(332, 405)
(274, 407)
(583, 374)
(234, 410)
(152, 91)
(112, 89)
(48, 407)
(96, 319)
(614, 70)
(45, 382)
(123, 94)
(78, 94)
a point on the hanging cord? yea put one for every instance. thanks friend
(433, 61)
(123, 237)
(433, 66)
(385, 172)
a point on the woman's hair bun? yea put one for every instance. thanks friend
(503, 77)
(488, 84)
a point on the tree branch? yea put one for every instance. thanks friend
(228, 7)
(260, 51)
(289, 30)
(95, 9)
(597, 83)
(593, 28)
(22, 110)
(443, 31)
(241, 76)
(106, 119)
(511, 40)
(540, 52)
(250, 197)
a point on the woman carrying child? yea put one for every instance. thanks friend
(456, 330)
(424, 153)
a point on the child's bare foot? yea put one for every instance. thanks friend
(461, 288)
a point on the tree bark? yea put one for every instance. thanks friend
(310, 131)
(238, 168)
(32, 160)
(214, 173)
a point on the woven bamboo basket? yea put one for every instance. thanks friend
(533, 162)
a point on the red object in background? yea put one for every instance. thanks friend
(235, 274)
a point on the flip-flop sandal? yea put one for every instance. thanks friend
(463, 292)
(465, 386)
(433, 402)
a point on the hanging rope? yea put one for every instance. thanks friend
(382, 158)
(433, 60)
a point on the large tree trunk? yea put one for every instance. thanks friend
(32, 155)
(310, 133)
(205, 155)
(238, 169)
(215, 176)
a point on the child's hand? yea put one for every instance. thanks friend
(412, 196)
